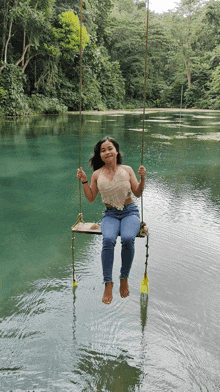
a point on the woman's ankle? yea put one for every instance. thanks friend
(124, 288)
(107, 296)
(109, 283)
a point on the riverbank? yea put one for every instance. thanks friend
(140, 111)
(114, 112)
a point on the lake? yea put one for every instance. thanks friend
(56, 338)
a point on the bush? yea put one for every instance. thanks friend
(112, 86)
(44, 105)
(133, 104)
(3, 94)
(14, 101)
(68, 94)
(2, 113)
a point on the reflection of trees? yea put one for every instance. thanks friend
(143, 315)
(98, 372)
(37, 125)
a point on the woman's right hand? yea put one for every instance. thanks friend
(81, 175)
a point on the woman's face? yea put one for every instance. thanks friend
(108, 152)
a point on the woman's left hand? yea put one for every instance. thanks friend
(142, 171)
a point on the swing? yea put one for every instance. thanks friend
(92, 228)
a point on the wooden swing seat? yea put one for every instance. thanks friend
(88, 228)
(93, 228)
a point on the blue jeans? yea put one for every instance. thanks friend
(127, 224)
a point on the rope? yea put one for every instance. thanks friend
(181, 104)
(80, 110)
(144, 104)
(80, 216)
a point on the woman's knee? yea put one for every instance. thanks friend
(109, 242)
(127, 240)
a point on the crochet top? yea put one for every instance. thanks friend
(115, 192)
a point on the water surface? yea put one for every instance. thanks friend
(54, 339)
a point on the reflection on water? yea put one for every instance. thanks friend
(101, 373)
(54, 339)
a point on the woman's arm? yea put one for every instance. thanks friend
(137, 187)
(90, 191)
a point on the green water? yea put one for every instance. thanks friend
(57, 340)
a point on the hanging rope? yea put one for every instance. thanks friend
(143, 224)
(80, 104)
(143, 231)
(80, 216)
(145, 85)
(181, 105)
(145, 281)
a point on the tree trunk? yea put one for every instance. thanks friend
(187, 66)
(24, 42)
(189, 78)
(4, 30)
(7, 42)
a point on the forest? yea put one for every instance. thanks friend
(40, 55)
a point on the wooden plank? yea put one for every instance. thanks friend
(87, 227)
(93, 228)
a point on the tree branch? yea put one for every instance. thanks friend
(1, 69)
(27, 62)
(23, 55)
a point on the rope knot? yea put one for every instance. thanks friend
(143, 230)
(79, 219)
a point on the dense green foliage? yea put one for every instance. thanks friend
(40, 59)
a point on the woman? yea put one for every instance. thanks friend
(115, 182)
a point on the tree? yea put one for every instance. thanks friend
(126, 42)
(25, 25)
(40, 54)
(67, 36)
(185, 28)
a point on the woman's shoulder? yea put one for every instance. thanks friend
(127, 168)
(96, 173)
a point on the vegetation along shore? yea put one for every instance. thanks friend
(39, 63)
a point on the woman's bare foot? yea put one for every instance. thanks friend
(107, 296)
(124, 289)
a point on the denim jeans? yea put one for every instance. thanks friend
(125, 223)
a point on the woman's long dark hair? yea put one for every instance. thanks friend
(96, 161)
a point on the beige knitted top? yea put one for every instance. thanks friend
(115, 192)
